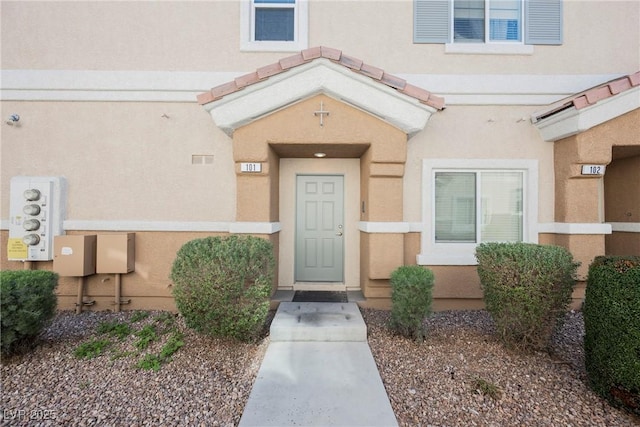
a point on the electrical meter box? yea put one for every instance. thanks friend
(74, 255)
(115, 253)
(36, 213)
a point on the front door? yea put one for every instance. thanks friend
(319, 228)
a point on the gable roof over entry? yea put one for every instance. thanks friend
(320, 70)
(589, 108)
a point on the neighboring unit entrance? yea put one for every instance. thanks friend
(319, 252)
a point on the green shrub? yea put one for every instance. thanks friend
(91, 349)
(411, 298)
(173, 344)
(139, 315)
(27, 302)
(146, 336)
(527, 289)
(222, 286)
(612, 330)
(119, 330)
(150, 362)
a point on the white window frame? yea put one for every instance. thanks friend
(488, 46)
(247, 27)
(451, 253)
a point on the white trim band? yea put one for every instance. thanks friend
(198, 226)
(390, 227)
(183, 86)
(625, 227)
(574, 228)
(254, 227)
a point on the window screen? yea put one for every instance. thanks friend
(274, 20)
(497, 196)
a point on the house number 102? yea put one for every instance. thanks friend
(593, 169)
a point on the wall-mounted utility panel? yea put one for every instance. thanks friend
(74, 255)
(115, 253)
(36, 212)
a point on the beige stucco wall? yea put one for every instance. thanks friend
(472, 132)
(583, 199)
(205, 36)
(122, 161)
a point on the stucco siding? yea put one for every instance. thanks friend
(205, 36)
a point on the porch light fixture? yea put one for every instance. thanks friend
(320, 155)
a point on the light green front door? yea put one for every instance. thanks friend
(319, 244)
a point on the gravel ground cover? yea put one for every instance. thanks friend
(439, 382)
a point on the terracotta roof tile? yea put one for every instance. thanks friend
(312, 53)
(205, 98)
(247, 79)
(607, 90)
(224, 89)
(592, 96)
(350, 62)
(618, 86)
(292, 61)
(371, 71)
(393, 81)
(269, 70)
(335, 55)
(330, 53)
(424, 96)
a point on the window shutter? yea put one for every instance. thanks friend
(543, 22)
(431, 21)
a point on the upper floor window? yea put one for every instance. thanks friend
(488, 22)
(479, 21)
(274, 25)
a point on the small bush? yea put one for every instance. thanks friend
(222, 285)
(139, 315)
(527, 289)
(119, 330)
(150, 362)
(612, 330)
(486, 388)
(91, 349)
(27, 303)
(173, 344)
(411, 299)
(146, 336)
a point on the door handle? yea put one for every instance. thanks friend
(339, 233)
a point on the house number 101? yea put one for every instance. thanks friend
(593, 169)
(250, 167)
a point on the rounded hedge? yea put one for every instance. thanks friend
(411, 297)
(27, 303)
(527, 289)
(222, 285)
(612, 330)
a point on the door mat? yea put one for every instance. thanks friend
(320, 296)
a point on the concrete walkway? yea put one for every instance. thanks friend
(318, 371)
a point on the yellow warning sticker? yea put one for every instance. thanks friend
(16, 249)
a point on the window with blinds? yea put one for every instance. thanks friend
(488, 21)
(478, 206)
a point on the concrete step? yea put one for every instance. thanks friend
(318, 321)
